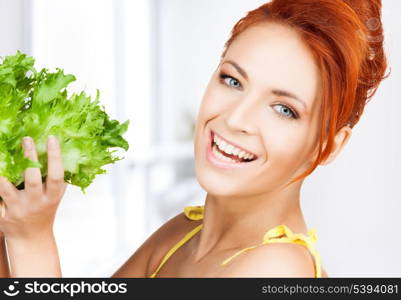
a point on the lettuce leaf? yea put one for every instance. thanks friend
(37, 104)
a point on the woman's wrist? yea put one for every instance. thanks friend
(36, 256)
(31, 237)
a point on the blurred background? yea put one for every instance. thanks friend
(151, 61)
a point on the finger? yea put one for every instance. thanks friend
(33, 178)
(55, 185)
(8, 192)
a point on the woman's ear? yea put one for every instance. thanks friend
(340, 140)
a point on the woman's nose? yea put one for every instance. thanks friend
(242, 116)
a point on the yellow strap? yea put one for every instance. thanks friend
(273, 236)
(284, 230)
(194, 212)
(238, 253)
(308, 241)
(178, 245)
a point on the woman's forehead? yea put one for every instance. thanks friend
(275, 57)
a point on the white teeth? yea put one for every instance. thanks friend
(230, 149)
(223, 145)
(221, 156)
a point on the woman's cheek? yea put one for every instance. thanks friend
(285, 148)
(215, 103)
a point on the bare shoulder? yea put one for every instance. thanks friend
(273, 260)
(143, 260)
(170, 233)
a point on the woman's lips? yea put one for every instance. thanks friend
(234, 144)
(217, 162)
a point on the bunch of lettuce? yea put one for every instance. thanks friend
(36, 104)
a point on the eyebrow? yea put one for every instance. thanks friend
(277, 92)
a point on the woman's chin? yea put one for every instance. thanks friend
(218, 186)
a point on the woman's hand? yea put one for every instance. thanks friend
(29, 213)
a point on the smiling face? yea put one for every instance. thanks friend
(264, 99)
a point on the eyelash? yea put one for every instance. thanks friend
(295, 116)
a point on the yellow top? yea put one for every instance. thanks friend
(278, 234)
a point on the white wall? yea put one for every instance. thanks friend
(14, 26)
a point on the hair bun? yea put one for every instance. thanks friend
(369, 12)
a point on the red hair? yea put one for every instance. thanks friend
(346, 40)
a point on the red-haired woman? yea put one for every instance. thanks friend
(292, 81)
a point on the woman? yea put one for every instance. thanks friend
(292, 82)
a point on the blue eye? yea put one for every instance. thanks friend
(223, 78)
(286, 112)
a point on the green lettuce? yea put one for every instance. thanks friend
(35, 103)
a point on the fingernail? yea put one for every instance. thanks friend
(52, 141)
(27, 143)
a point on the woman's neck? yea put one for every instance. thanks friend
(239, 222)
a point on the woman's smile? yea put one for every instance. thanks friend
(227, 155)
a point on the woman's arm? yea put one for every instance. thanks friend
(272, 260)
(148, 256)
(34, 257)
(4, 268)
(28, 216)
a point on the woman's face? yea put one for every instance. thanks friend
(261, 99)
